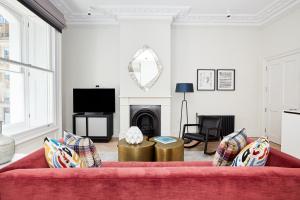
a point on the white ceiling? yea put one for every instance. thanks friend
(253, 12)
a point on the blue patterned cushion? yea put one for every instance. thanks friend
(60, 156)
(254, 154)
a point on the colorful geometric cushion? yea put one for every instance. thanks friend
(60, 156)
(84, 147)
(254, 154)
(229, 148)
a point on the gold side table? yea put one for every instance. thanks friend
(135, 152)
(169, 152)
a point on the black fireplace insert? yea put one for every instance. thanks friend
(147, 118)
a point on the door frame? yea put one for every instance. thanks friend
(265, 81)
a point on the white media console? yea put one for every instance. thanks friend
(97, 126)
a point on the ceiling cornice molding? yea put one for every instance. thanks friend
(180, 14)
(122, 10)
(276, 9)
(262, 17)
(216, 19)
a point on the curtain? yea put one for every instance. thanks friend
(47, 11)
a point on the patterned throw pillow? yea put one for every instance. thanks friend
(229, 148)
(254, 154)
(60, 156)
(84, 147)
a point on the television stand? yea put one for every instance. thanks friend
(97, 126)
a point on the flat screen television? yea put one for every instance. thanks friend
(94, 100)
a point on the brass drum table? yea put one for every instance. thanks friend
(135, 152)
(169, 152)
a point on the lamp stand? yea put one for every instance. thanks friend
(186, 109)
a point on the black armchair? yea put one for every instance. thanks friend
(208, 130)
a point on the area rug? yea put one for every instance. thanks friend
(188, 156)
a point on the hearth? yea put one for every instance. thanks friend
(147, 118)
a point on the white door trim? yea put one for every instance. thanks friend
(265, 82)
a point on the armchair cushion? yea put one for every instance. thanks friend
(229, 148)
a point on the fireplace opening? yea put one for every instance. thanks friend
(147, 118)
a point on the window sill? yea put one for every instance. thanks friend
(31, 134)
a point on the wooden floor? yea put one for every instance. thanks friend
(276, 146)
(110, 146)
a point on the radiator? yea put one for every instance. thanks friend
(227, 124)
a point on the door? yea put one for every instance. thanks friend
(275, 101)
(283, 92)
(292, 83)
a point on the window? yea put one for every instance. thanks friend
(11, 78)
(27, 71)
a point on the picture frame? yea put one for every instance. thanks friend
(226, 79)
(206, 79)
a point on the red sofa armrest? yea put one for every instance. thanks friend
(279, 159)
(35, 159)
(31, 161)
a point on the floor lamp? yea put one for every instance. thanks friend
(183, 88)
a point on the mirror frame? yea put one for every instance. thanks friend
(149, 85)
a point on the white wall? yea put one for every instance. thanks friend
(196, 47)
(134, 34)
(90, 56)
(282, 35)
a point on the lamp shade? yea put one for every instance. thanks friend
(184, 87)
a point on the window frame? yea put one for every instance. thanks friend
(27, 133)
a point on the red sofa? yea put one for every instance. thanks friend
(30, 178)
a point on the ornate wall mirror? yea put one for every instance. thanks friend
(144, 68)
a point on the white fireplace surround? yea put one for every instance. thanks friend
(164, 102)
(136, 32)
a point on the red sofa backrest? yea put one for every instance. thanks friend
(37, 160)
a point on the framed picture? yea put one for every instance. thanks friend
(205, 79)
(226, 79)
